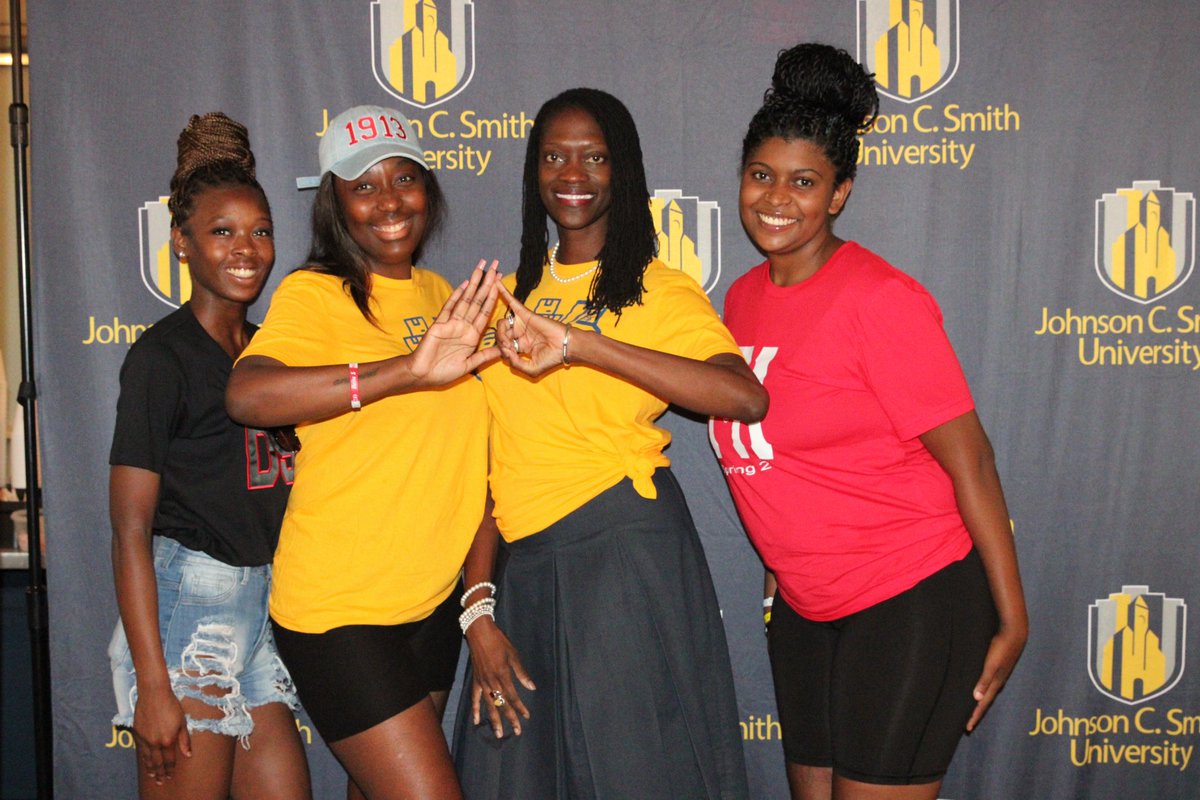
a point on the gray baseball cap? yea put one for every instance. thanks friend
(361, 137)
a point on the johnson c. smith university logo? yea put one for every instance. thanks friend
(1145, 240)
(165, 277)
(910, 45)
(689, 235)
(413, 56)
(1136, 644)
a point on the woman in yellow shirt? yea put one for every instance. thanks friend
(369, 355)
(605, 602)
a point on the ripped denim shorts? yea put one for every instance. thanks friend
(212, 620)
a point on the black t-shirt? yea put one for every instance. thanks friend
(224, 486)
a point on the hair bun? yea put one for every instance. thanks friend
(213, 151)
(213, 138)
(825, 78)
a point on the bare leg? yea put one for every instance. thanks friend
(810, 783)
(275, 767)
(846, 789)
(404, 756)
(439, 707)
(207, 773)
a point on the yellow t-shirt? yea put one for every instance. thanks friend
(561, 440)
(387, 499)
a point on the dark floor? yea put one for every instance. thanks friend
(17, 777)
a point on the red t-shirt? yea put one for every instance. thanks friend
(841, 499)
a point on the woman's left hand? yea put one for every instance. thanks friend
(1002, 656)
(448, 350)
(963, 450)
(528, 342)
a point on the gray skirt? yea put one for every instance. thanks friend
(613, 613)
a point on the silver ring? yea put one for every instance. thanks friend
(498, 698)
(511, 319)
(516, 345)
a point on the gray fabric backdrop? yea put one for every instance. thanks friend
(1014, 142)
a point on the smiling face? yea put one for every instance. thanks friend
(574, 181)
(228, 243)
(385, 212)
(788, 200)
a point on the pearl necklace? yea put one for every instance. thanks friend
(553, 274)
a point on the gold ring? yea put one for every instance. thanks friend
(497, 698)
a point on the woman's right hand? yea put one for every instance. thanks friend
(159, 725)
(494, 662)
(160, 728)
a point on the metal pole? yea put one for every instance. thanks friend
(35, 594)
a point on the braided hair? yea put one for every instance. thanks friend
(214, 152)
(819, 94)
(630, 241)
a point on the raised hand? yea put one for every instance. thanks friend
(529, 342)
(449, 349)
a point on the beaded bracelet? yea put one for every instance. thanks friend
(480, 608)
(481, 585)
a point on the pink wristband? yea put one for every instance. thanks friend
(355, 400)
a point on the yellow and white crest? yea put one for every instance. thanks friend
(1145, 240)
(423, 51)
(910, 45)
(1136, 644)
(689, 235)
(165, 277)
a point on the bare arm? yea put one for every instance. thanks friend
(963, 450)
(769, 587)
(266, 393)
(722, 386)
(494, 660)
(159, 724)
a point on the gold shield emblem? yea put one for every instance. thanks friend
(423, 51)
(1145, 240)
(910, 45)
(1136, 643)
(164, 276)
(689, 235)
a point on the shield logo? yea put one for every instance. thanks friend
(689, 235)
(1145, 240)
(422, 51)
(910, 45)
(164, 276)
(1136, 644)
